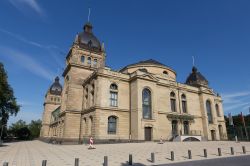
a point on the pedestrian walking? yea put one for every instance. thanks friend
(91, 143)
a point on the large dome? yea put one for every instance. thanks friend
(56, 87)
(150, 66)
(87, 39)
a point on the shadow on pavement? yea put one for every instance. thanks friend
(134, 164)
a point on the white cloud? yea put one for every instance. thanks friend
(52, 49)
(237, 94)
(27, 63)
(29, 3)
(33, 43)
(235, 106)
(236, 101)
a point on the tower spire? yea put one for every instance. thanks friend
(193, 61)
(89, 14)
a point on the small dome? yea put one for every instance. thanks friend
(87, 39)
(56, 87)
(196, 79)
(146, 62)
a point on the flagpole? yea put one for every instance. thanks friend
(243, 121)
(231, 122)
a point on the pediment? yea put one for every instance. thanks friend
(210, 91)
(148, 76)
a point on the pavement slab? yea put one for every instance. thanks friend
(31, 153)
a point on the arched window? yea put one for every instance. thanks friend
(93, 94)
(82, 59)
(89, 61)
(220, 132)
(186, 127)
(86, 97)
(217, 110)
(173, 102)
(85, 126)
(184, 103)
(174, 128)
(146, 104)
(95, 62)
(112, 121)
(209, 112)
(90, 125)
(113, 95)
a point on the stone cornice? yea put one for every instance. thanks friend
(104, 108)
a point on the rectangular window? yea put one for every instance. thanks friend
(113, 99)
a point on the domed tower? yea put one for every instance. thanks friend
(86, 55)
(196, 79)
(52, 101)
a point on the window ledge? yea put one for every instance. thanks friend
(148, 120)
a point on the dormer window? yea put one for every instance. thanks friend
(165, 72)
(95, 62)
(82, 59)
(89, 61)
(90, 43)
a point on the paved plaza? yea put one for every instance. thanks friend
(31, 153)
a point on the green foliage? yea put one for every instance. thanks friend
(238, 121)
(35, 127)
(238, 128)
(23, 131)
(8, 104)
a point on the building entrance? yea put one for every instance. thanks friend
(148, 133)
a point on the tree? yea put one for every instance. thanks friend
(35, 127)
(8, 104)
(15, 127)
(23, 131)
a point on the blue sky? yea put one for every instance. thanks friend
(36, 35)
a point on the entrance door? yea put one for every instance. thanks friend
(213, 135)
(148, 133)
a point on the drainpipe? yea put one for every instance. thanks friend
(81, 112)
(179, 108)
(130, 112)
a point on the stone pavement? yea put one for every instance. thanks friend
(31, 153)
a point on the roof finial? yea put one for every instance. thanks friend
(89, 14)
(193, 61)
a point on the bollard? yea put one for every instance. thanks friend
(105, 161)
(232, 151)
(219, 151)
(189, 154)
(172, 155)
(152, 157)
(5, 164)
(244, 149)
(76, 161)
(44, 163)
(205, 153)
(130, 160)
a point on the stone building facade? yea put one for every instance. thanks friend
(141, 102)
